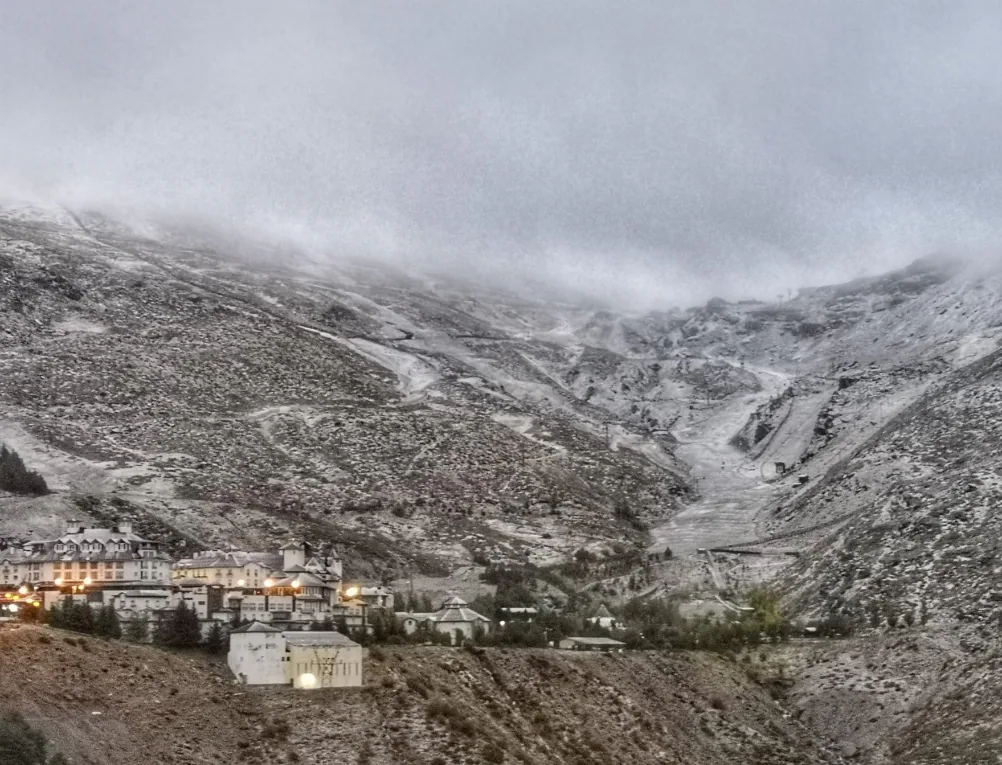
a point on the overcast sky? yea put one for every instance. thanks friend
(659, 151)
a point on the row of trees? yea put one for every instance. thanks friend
(16, 478)
(179, 628)
(81, 617)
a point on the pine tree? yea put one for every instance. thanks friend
(78, 617)
(179, 630)
(55, 617)
(137, 629)
(16, 478)
(106, 624)
(215, 641)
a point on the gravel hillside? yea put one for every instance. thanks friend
(421, 706)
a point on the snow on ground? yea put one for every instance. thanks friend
(78, 324)
(732, 490)
(523, 426)
(792, 438)
(62, 471)
(642, 445)
(414, 374)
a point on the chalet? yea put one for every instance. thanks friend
(455, 618)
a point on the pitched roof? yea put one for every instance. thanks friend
(231, 559)
(603, 612)
(312, 638)
(456, 610)
(305, 579)
(256, 627)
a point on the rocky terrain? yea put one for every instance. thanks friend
(219, 391)
(240, 404)
(919, 535)
(229, 391)
(420, 706)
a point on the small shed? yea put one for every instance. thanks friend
(591, 644)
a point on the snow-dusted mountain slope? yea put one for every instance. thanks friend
(238, 392)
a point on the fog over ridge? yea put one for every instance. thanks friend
(647, 153)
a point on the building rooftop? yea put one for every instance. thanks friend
(312, 638)
(455, 609)
(596, 641)
(305, 579)
(230, 559)
(256, 627)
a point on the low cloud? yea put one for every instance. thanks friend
(645, 154)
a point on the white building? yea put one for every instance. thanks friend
(455, 618)
(262, 655)
(236, 568)
(294, 587)
(83, 556)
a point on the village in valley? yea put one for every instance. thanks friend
(289, 617)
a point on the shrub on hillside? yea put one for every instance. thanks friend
(20, 744)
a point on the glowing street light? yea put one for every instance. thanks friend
(241, 582)
(23, 589)
(351, 592)
(59, 581)
(87, 581)
(12, 608)
(269, 583)
(295, 584)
